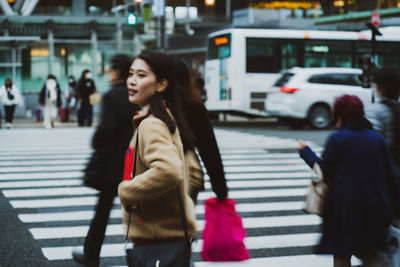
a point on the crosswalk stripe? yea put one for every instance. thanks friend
(278, 241)
(44, 184)
(231, 184)
(15, 193)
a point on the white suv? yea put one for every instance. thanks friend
(308, 93)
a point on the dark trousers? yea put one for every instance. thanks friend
(9, 110)
(85, 112)
(97, 230)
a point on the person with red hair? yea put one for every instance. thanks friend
(364, 193)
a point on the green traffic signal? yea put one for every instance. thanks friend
(131, 19)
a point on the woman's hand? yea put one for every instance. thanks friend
(302, 144)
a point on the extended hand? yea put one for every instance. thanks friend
(302, 144)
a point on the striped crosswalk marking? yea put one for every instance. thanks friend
(41, 175)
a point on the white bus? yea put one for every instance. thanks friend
(242, 64)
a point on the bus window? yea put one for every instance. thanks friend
(323, 53)
(289, 55)
(219, 46)
(259, 55)
(388, 53)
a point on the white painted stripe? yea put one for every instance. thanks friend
(58, 202)
(261, 207)
(267, 168)
(284, 261)
(262, 161)
(276, 175)
(236, 168)
(258, 193)
(49, 192)
(72, 231)
(45, 157)
(251, 222)
(231, 184)
(41, 175)
(64, 216)
(262, 156)
(80, 174)
(117, 250)
(202, 195)
(262, 183)
(42, 168)
(42, 162)
(46, 183)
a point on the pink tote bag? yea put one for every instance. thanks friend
(223, 234)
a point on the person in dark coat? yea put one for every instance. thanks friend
(384, 114)
(84, 89)
(364, 192)
(110, 141)
(204, 139)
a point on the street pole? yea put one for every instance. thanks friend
(374, 33)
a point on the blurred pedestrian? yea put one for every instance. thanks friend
(385, 113)
(364, 192)
(50, 100)
(70, 99)
(10, 97)
(105, 169)
(150, 197)
(84, 89)
(196, 115)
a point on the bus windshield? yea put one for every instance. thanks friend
(219, 46)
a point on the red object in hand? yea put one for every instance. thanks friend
(128, 167)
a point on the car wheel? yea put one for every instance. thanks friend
(320, 117)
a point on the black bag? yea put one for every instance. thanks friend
(96, 170)
(167, 254)
(10, 95)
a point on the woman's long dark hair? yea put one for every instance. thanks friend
(163, 68)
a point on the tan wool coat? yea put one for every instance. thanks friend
(153, 191)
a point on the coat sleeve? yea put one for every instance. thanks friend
(208, 150)
(160, 157)
(328, 161)
(108, 126)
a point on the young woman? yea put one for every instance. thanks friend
(151, 196)
(364, 192)
(50, 100)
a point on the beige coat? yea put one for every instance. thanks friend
(160, 167)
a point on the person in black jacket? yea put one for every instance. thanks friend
(85, 88)
(196, 116)
(110, 141)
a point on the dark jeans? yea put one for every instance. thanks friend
(9, 110)
(97, 230)
(85, 112)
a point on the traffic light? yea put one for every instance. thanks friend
(366, 64)
(132, 17)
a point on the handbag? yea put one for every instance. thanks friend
(94, 98)
(224, 233)
(317, 193)
(166, 254)
(96, 170)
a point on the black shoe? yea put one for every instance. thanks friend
(78, 256)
